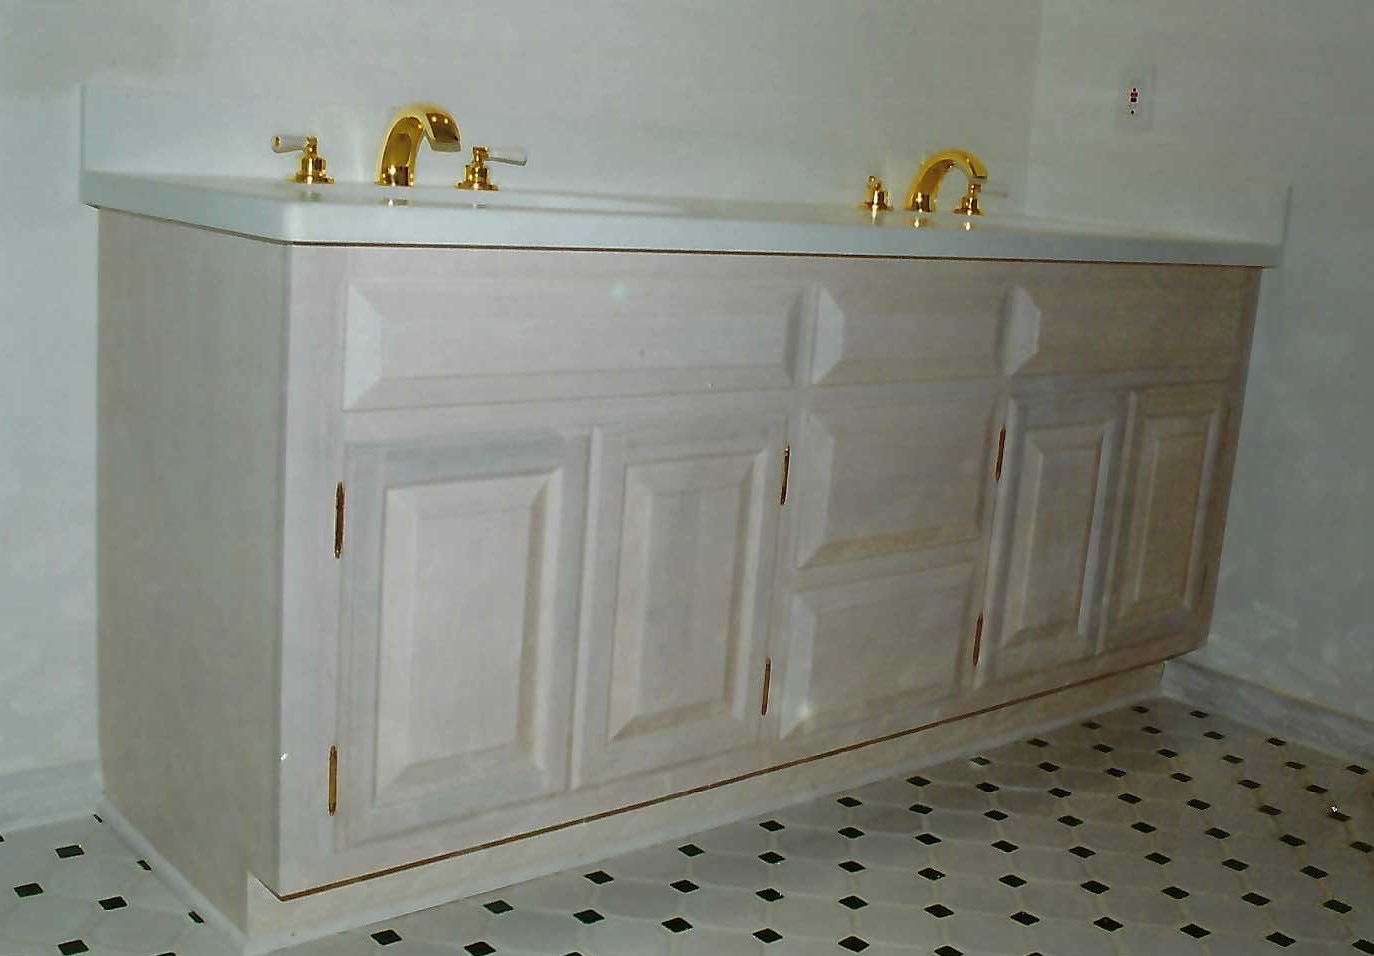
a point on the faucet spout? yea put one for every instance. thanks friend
(926, 184)
(412, 125)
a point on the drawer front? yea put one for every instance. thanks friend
(447, 330)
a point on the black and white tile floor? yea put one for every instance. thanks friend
(1154, 830)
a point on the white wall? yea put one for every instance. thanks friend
(883, 80)
(1262, 88)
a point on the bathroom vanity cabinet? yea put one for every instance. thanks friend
(415, 552)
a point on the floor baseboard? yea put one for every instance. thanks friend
(1269, 710)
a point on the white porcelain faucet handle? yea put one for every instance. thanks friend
(289, 144)
(513, 155)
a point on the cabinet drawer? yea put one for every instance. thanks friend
(450, 329)
(1065, 319)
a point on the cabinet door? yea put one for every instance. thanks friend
(893, 508)
(678, 585)
(460, 614)
(1052, 535)
(1172, 446)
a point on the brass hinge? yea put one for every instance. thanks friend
(333, 780)
(339, 520)
(786, 469)
(1001, 453)
(977, 640)
(767, 681)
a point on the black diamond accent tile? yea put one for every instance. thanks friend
(852, 866)
(1214, 735)
(1362, 846)
(588, 916)
(929, 839)
(113, 903)
(386, 937)
(1249, 784)
(1128, 798)
(769, 894)
(1357, 769)
(931, 874)
(1255, 899)
(1012, 880)
(980, 761)
(1082, 852)
(918, 781)
(1005, 846)
(1159, 858)
(1142, 827)
(851, 833)
(1295, 765)
(1175, 892)
(1363, 946)
(772, 857)
(1199, 804)
(1116, 772)
(1278, 939)
(1292, 840)
(143, 865)
(72, 947)
(1336, 906)
(69, 851)
(1199, 714)
(1236, 865)
(1071, 821)
(1217, 833)
(920, 808)
(850, 802)
(773, 826)
(1181, 777)
(599, 877)
(684, 886)
(1037, 742)
(767, 935)
(1092, 886)
(1048, 767)
(480, 948)
(1232, 758)
(997, 815)
(1276, 742)
(690, 849)
(1316, 872)
(854, 902)
(1316, 788)
(853, 944)
(27, 890)
(1092, 725)
(195, 917)
(1167, 753)
(1107, 923)
(1025, 919)
(1152, 730)
(939, 910)
(948, 951)
(1338, 815)
(988, 787)
(1141, 709)
(1195, 931)
(497, 907)
(1103, 748)
(676, 925)
(1060, 792)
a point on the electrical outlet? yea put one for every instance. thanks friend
(1135, 99)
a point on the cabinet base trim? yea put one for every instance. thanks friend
(643, 804)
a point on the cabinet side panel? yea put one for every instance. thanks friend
(190, 448)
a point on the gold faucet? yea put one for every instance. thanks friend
(411, 125)
(926, 185)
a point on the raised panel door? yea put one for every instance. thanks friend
(1173, 439)
(681, 563)
(1052, 532)
(462, 563)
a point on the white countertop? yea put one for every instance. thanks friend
(363, 214)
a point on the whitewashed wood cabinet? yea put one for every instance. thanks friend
(616, 526)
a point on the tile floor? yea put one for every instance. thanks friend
(1154, 830)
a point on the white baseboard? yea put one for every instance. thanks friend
(1270, 710)
(33, 797)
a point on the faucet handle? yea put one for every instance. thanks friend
(476, 174)
(312, 168)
